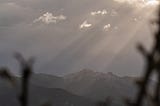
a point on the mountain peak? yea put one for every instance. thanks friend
(81, 74)
(112, 74)
(91, 75)
(86, 71)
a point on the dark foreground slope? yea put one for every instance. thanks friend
(40, 95)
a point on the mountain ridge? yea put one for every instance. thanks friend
(88, 82)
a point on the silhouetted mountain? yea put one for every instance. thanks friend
(48, 81)
(90, 84)
(98, 86)
(80, 88)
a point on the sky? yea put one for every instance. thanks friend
(67, 36)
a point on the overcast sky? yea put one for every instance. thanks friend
(69, 35)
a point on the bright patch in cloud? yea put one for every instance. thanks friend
(85, 24)
(48, 18)
(107, 27)
(140, 3)
(103, 12)
(152, 2)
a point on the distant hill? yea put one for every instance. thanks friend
(90, 84)
(98, 86)
(48, 81)
(83, 88)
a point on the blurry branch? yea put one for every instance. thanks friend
(142, 50)
(26, 70)
(26, 67)
(5, 74)
(152, 59)
(23, 62)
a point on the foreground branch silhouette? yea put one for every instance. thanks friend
(26, 67)
(26, 70)
(152, 59)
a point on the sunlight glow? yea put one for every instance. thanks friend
(140, 3)
(48, 18)
(152, 2)
(85, 24)
(103, 12)
(107, 27)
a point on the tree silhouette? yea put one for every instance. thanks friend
(26, 70)
(26, 67)
(152, 59)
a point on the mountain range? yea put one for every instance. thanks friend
(95, 86)
(83, 88)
